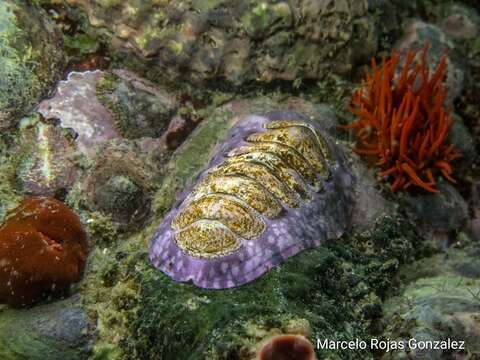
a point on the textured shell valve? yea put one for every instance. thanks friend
(277, 186)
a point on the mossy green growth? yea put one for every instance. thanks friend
(18, 80)
(108, 3)
(265, 18)
(81, 43)
(206, 5)
(25, 72)
(107, 85)
(137, 112)
(9, 197)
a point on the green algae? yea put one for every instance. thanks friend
(265, 18)
(109, 3)
(9, 197)
(439, 299)
(205, 5)
(194, 154)
(19, 83)
(81, 43)
(101, 228)
(25, 73)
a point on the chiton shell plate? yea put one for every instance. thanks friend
(277, 186)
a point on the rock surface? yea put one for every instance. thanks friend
(55, 331)
(439, 301)
(417, 33)
(240, 41)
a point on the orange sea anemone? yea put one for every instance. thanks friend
(402, 123)
(43, 249)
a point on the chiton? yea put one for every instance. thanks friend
(277, 186)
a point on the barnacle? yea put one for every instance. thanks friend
(119, 184)
(276, 167)
(403, 124)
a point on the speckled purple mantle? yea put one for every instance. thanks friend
(324, 217)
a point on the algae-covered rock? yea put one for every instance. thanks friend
(239, 41)
(444, 212)
(31, 58)
(370, 204)
(463, 140)
(459, 21)
(55, 331)
(439, 301)
(139, 107)
(9, 198)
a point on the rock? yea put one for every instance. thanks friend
(31, 58)
(240, 41)
(460, 22)
(439, 301)
(122, 128)
(418, 33)
(55, 331)
(461, 138)
(140, 108)
(475, 204)
(9, 197)
(442, 213)
(177, 132)
(370, 204)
